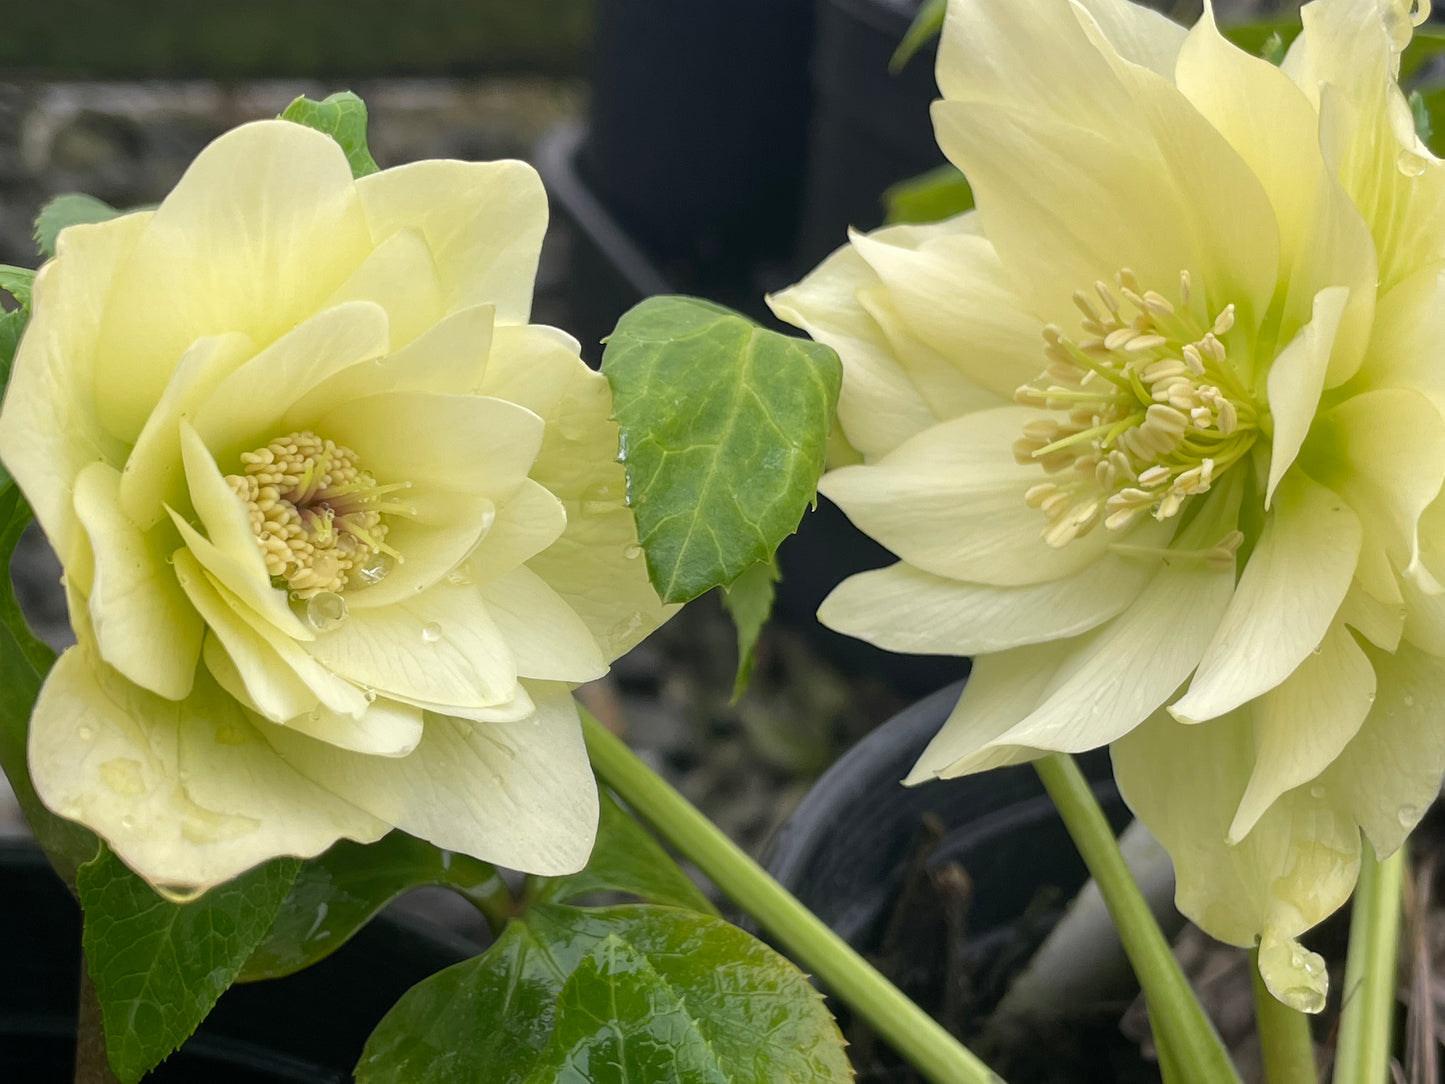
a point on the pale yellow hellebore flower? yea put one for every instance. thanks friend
(340, 528)
(1208, 532)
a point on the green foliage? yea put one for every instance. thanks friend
(71, 209)
(17, 281)
(1267, 38)
(158, 967)
(940, 193)
(926, 25)
(723, 426)
(625, 858)
(342, 116)
(749, 599)
(609, 996)
(336, 894)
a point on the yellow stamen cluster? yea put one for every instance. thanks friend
(316, 514)
(1152, 411)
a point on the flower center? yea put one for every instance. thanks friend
(316, 514)
(1150, 411)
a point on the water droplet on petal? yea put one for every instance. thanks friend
(1409, 701)
(85, 733)
(376, 569)
(325, 611)
(1409, 815)
(632, 552)
(127, 822)
(459, 577)
(1409, 163)
(431, 632)
(370, 695)
(1317, 791)
(600, 498)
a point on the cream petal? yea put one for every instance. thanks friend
(49, 429)
(1301, 725)
(259, 598)
(1323, 240)
(525, 526)
(545, 636)
(463, 443)
(951, 501)
(279, 693)
(901, 608)
(280, 677)
(432, 546)
(1296, 379)
(441, 647)
(532, 365)
(246, 409)
(153, 475)
(262, 227)
(517, 794)
(186, 793)
(445, 359)
(483, 222)
(388, 728)
(400, 276)
(1382, 625)
(878, 406)
(1286, 599)
(143, 623)
(1185, 781)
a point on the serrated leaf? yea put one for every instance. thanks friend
(749, 599)
(723, 428)
(342, 116)
(625, 858)
(926, 25)
(71, 209)
(158, 967)
(17, 282)
(551, 1000)
(24, 662)
(337, 893)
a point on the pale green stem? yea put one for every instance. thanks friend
(910, 1031)
(1362, 1055)
(1284, 1035)
(1182, 1031)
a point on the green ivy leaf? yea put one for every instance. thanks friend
(625, 858)
(724, 425)
(609, 996)
(71, 209)
(342, 116)
(17, 282)
(749, 599)
(337, 893)
(24, 662)
(926, 26)
(158, 967)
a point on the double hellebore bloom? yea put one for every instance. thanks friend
(339, 527)
(1157, 434)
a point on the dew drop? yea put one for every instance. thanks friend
(632, 552)
(431, 632)
(325, 611)
(1409, 701)
(1317, 791)
(170, 558)
(85, 733)
(1409, 816)
(459, 577)
(1409, 163)
(1316, 649)
(370, 695)
(376, 569)
(127, 822)
(600, 498)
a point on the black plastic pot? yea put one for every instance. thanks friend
(308, 1028)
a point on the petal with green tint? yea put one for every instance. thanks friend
(545, 636)
(951, 501)
(524, 526)
(445, 528)
(143, 623)
(261, 229)
(483, 222)
(186, 793)
(1284, 604)
(1296, 379)
(517, 794)
(401, 277)
(49, 427)
(1302, 724)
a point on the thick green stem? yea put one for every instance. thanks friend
(908, 1029)
(1284, 1035)
(1362, 1055)
(1179, 1023)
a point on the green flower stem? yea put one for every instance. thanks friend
(1284, 1035)
(1362, 1055)
(1180, 1026)
(907, 1028)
